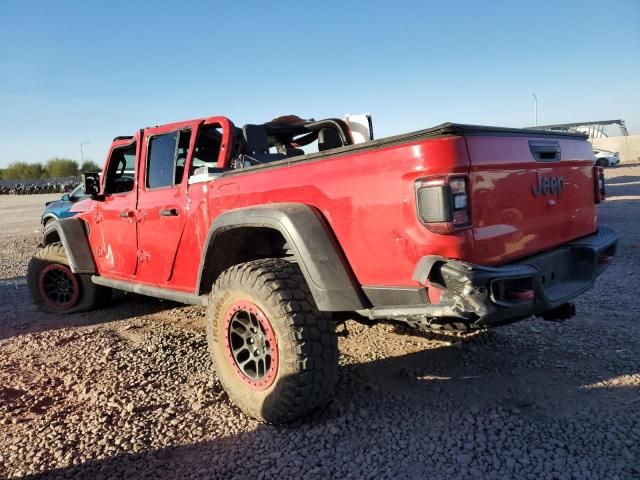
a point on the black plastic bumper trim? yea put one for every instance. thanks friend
(558, 276)
(393, 296)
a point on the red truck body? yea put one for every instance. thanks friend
(457, 226)
(367, 196)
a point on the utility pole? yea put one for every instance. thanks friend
(82, 152)
(535, 109)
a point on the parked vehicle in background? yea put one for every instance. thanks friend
(454, 227)
(36, 187)
(62, 208)
(605, 158)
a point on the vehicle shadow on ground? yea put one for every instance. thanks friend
(623, 186)
(19, 316)
(622, 190)
(623, 179)
(429, 393)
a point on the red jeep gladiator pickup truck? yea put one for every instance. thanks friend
(457, 225)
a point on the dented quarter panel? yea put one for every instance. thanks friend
(367, 198)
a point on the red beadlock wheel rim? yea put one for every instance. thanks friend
(250, 345)
(59, 286)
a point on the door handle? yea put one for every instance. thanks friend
(126, 214)
(545, 151)
(169, 212)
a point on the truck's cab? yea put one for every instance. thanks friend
(154, 190)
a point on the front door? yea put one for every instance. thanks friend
(115, 216)
(162, 200)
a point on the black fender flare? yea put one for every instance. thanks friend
(49, 216)
(73, 235)
(323, 264)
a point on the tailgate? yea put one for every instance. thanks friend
(530, 192)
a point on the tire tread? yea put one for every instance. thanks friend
(310, 334)
(91, 295)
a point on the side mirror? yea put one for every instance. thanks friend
(66, 198)
(92, 185)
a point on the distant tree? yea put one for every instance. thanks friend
(1, 174)
(23, 171)
(89, 166)
(61, 167)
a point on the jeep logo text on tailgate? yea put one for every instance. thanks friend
(548, 185)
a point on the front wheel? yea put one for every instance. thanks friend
(275, 354)
(56, 289)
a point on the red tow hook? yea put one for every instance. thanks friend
(520, 295)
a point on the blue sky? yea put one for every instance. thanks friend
(88, 71)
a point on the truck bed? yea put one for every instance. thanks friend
(443, 130)
(369, 198)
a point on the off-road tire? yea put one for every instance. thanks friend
(89, 296)
(307, 345)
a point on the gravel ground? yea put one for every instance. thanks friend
(129, 391)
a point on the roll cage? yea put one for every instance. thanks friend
(222, 146)
(284, 138)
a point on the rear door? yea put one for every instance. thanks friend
(529, 193)
(162, 200)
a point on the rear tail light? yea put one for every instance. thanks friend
(598, 184)
(443, 203)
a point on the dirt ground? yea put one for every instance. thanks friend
(129, 391)
(20, 214)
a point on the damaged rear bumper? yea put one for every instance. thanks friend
(540, 285)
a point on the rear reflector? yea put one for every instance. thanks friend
(509, 291)
(460, 217)
(598, 184)
(520, 295)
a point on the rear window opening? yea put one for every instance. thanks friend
(207, 150)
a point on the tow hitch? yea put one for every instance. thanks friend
(563, 312)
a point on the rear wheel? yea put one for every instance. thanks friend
(56, 289)
(275, 354)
